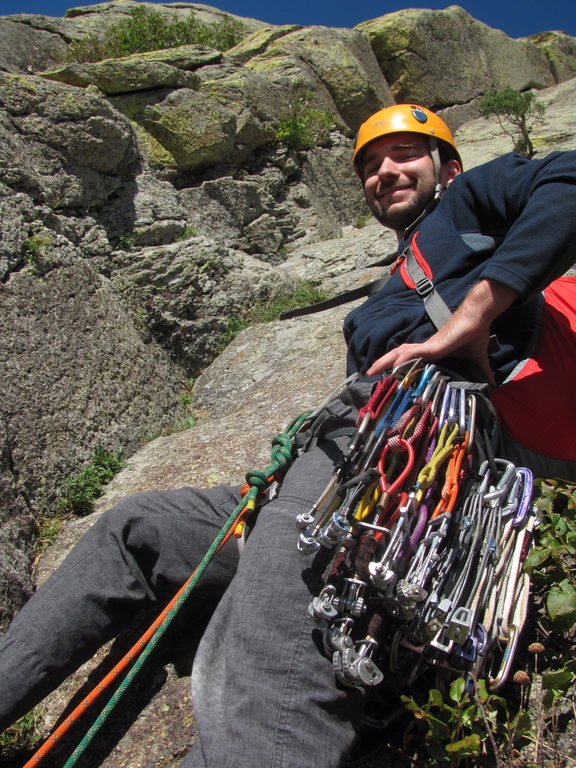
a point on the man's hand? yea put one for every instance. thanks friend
(465, 335)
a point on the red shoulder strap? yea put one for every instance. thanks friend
(420, 260)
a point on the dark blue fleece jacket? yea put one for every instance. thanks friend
(511, 220)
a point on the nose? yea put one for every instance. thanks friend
(388, 167)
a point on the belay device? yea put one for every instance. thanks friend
(427, 532)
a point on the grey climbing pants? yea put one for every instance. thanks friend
(263, 693)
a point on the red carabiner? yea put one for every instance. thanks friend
(390, 491)
(378, 400)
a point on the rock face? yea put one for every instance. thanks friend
(146, 207)
(560, 50)
(442, 58)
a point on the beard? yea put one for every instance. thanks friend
(399, 216)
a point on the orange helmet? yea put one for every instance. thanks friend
(399, 118)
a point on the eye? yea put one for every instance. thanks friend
(371, 168)
(408, 153)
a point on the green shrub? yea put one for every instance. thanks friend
(126, 242)
(232, 327)
(303, 126)
(302, 295)
(48, 529)
(460, 727)
(552, 563)
(85, 487)
(189, 232)
(187, 422)
(363, 221)
(34, 247)
(149, 30)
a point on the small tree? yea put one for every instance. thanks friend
(513, 108)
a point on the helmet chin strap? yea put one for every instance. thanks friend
(435, 155)
(438, 188)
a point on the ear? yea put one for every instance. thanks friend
(449, 171)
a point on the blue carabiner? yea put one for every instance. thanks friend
(425, 376)
(397, 407)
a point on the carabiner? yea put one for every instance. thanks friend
(462, 412)
(526, 498)
(445, 407)
(494, 683)
(412, 366)
(504, 481)
(426, 376)
(394, 487)
(471, 423)
(376, 403)
(432, 386)
(367, 502)
(397, 406)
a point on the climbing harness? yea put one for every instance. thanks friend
(415, 273)
(426, 531)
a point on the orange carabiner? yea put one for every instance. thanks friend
(452, 480)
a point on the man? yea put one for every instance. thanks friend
(264, 692)
(491, 239)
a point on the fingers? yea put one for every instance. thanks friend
(484, 365)
(395, 357)
(428, 352)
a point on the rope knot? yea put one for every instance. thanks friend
(257, 479)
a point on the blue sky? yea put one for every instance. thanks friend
(516, 18)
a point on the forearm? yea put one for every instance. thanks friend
(485, 301)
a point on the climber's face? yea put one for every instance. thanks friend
(399, 180)
(398, 177)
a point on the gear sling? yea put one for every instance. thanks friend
(426, 527)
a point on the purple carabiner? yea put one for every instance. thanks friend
(420, 526)
(526, 499)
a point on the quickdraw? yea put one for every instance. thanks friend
(427, 532)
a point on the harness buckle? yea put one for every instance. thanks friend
(424, 286)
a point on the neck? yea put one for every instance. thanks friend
(428, 208)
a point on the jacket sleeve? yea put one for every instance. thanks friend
(530, 207)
